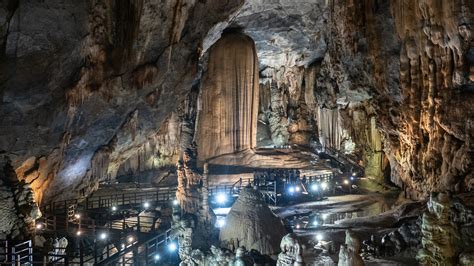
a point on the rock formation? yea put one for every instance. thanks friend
(195, 214)
(440, 236)
(414, 56)
(19, 210)
(188, 192)
(247, 225)
(291, 251)
(229, 100)
(349, 254)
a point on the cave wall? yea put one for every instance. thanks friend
(287, 106)
(407, 65)
(84, 96)
(228, 105)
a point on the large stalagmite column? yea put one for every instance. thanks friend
(229, 100)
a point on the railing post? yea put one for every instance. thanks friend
(30, 251)
(95, 250)
(81, 253)
(138, 226)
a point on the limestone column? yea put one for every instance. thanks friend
(229, 99)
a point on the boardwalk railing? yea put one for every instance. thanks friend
(161, 195)
(23, 254)
(139, 253)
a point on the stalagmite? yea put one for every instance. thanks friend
(291, 254)
(349, 254)
(247, 225)
(229, 100)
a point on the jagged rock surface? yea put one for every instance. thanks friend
(19, 210)
(86, 95)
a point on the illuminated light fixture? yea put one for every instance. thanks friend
(319, 237)
(324, 216)
(220, 223)
(297, 189)
(221, 198)
(172, 246)
(146, 205)
(324, 185)
(346, 182)
(114, 208)
(315, 223)
(130, 239)
(103, 236)
(298, 226)
(354, 174)
(77, 216)
(352, 178)
(78, 233)
(39, 226)
(314, 187)
(291, 190)
(157, 257)
(123, 246)
(175, 202)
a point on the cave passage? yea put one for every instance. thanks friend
(245, 132)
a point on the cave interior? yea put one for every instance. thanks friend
(241, 132)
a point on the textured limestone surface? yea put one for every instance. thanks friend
(251, 224)
(408, 65)
(229, 98)
(95, 93)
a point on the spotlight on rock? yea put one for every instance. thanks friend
(77, 216)
(130, 239)
(297, 189)
(172, 247)
(324, 216)
(175, 202)
(39, 226)
(78, 233)
(346, 182)
(157, 257)
(314, 187)
(221, 198)
(114, 208)
(146, 205)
